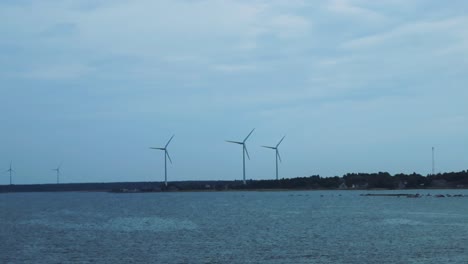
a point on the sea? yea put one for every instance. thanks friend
(234, 227)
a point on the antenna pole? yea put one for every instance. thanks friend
(433, 161)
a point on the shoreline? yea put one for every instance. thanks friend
(130, 191)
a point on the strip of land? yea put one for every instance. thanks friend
(350, 181)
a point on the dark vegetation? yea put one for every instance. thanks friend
(380, 180)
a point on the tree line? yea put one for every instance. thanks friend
(379, 180)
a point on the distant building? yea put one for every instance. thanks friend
(360, 186)
(440, 183)
(343, 186)
(402, 184)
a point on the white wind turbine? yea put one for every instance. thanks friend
(57, 170)
(244, 151)
(10, 170)
(277, 154)
(166, 156)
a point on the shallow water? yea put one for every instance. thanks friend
(232, 227)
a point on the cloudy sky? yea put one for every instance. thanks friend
(355, 85)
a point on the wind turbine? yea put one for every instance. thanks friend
(244, 151)
(10, 170)
(166, 156)
(277, 154)
(58, 172)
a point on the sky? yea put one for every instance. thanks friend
(355, 85)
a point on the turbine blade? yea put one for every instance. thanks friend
(235, 142)
(167, 154)
(280, 141)
(248, 135)
(158, 148)
(246, 152)
(167, 144)
(269, 147)
(279, 156)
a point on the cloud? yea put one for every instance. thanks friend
(235, 68)
(347, 8)
(286, 26)
(411, 31)
(203, 33)
(151, 28)
(58, 72)
(60, 30)
(191, 42)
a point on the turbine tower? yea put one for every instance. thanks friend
(277, 154)
(244, 151)
(166, 156)
(433, 161)
(10, 170)
(58, 172)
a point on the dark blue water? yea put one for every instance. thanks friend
(232, 227)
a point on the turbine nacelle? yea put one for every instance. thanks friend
(244, 147)
(58, 168)
(276, 148)
(166, 153)
(10, 170)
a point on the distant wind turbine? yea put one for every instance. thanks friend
(58, 172)
(244, 151)
(166, 156)
(277, 154)
(10, 170)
